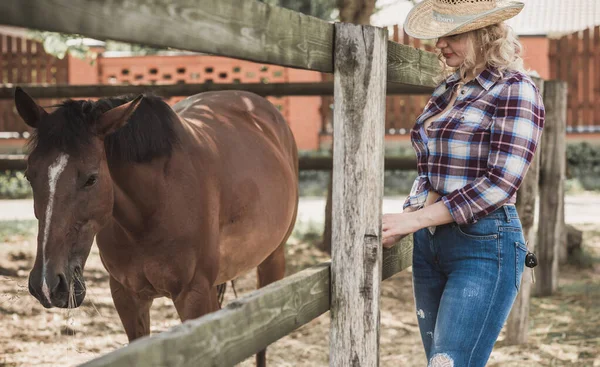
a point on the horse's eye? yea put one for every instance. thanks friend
(91, 181)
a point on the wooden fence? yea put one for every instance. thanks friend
(24, 61)
(254, 31)
(401, 110)
(174, 76)
(575, 58)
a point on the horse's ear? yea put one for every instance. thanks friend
(29, 111)
(114, 119)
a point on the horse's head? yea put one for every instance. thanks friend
(72, 191)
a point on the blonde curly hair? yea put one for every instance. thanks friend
(495, 45)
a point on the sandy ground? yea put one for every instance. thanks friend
(565, 328)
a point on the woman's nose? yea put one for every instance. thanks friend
(441, 43)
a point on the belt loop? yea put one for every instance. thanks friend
(507, 212)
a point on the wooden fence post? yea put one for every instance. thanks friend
(358, 154)
(552, 193)
(517, 325)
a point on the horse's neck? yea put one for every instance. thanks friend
(137, 191)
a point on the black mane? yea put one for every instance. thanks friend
(149, 133)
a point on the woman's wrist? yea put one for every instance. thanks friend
(432, 215)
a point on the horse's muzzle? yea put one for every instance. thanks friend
(63, 291)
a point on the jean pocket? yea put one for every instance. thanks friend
(520, 253)
(482, 230)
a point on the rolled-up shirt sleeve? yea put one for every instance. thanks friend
(514, 137)
(418, 193)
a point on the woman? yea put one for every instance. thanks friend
(474, 143)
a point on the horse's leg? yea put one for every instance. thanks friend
(270, 270)
(133, 310)
(201, 298)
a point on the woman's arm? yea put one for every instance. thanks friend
(397, 226)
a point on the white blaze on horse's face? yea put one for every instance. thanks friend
(54, 172)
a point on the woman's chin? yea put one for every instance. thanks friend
(452, 63)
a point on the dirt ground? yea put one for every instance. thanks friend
(565, 328)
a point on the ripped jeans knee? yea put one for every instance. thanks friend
(441, 360)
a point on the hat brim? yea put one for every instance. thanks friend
(420, 22)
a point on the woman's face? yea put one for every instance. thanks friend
(454, 49)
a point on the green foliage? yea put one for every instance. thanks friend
(59, 44)
(14, 185)
(396, 183)
(322, 9)
(583, 166)
(307, 231)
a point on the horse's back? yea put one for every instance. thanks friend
(253, 161)
(242, 112)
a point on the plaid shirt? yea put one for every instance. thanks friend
(478, 152)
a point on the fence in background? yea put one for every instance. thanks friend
(575, 58)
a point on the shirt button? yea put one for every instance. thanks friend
(463, 92)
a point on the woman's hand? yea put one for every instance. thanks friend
(397, 226)
(389, 243)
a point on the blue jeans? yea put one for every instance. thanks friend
(465, 281)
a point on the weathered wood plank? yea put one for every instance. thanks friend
(358, 152)
(552, 174)
(397, 258)
(573, 103)
(517, 325)
(249, 30)
(246, 325)
(412, 66)
(270, 89)
(238, 331)
(586, 78)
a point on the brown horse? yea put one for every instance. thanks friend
(180, 199)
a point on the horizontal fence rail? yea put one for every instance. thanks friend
(247, 325)
(249, 30)
(19, 162)
(172, 90)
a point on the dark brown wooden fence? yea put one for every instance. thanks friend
(575, 58)
(23, 61)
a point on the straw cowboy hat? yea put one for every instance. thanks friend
(438, 18)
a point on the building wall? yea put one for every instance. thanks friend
(535, 54)
(304, 112)
(82, 71)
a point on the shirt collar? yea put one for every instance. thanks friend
(487, 78)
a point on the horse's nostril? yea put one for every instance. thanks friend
(62, 286)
